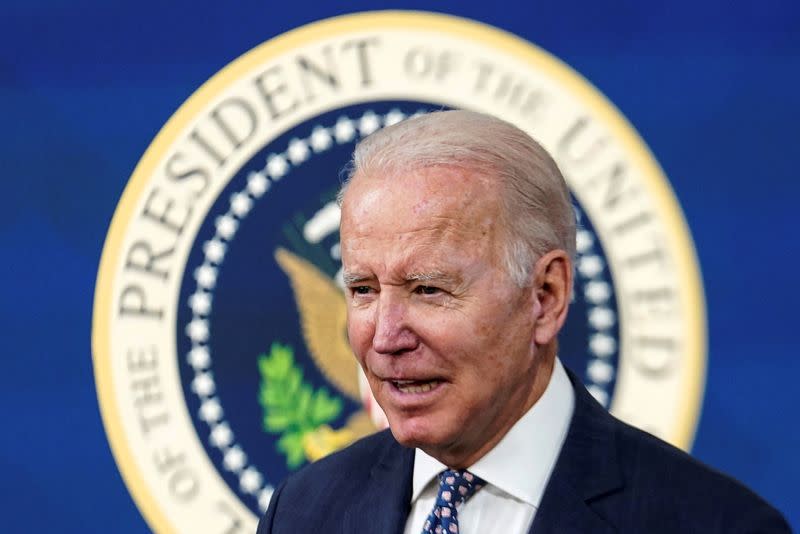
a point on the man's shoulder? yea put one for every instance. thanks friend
(647, 459)
(349, 464)
(328, 486)
(667, 480)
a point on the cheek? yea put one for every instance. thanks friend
(500, 348)
(359, 333)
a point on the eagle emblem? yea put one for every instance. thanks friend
(291, 407)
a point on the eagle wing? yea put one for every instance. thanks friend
(323, 316)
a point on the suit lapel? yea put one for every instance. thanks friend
(563, 511)
(587, 470)
(384, 503)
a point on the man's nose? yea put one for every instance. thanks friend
(393, 333)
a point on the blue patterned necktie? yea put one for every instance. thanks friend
(455, 487)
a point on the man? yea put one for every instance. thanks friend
(457, 239)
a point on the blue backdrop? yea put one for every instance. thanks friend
(711, 86)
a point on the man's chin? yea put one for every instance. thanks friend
(416, 432)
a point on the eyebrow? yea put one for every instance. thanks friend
(354, 278)
(421, 276)
(429, 276)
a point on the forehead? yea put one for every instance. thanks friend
(419, 217)
(429, 197)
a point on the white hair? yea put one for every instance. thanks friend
(537, 210)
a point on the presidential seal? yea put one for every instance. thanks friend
(219, 343)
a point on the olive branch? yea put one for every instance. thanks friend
(291, 407)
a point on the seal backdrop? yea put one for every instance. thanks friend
(218, 329)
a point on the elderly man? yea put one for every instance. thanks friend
(457, 235)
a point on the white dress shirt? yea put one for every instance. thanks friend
(516, 470)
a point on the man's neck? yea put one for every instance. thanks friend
(464, 457)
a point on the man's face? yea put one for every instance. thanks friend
(444, 336)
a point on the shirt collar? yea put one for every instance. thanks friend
(521, 463)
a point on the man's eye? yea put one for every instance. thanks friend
(428, 290)
(361, 290)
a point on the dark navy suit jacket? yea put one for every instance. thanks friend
(609, 477)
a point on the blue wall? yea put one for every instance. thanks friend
(84, 87)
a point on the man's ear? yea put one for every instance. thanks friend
(553, 286)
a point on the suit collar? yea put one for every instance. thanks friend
(385, 501)
(587, 469)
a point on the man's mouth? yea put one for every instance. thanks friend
(415, 386)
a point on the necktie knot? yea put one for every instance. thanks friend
(455, 487)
